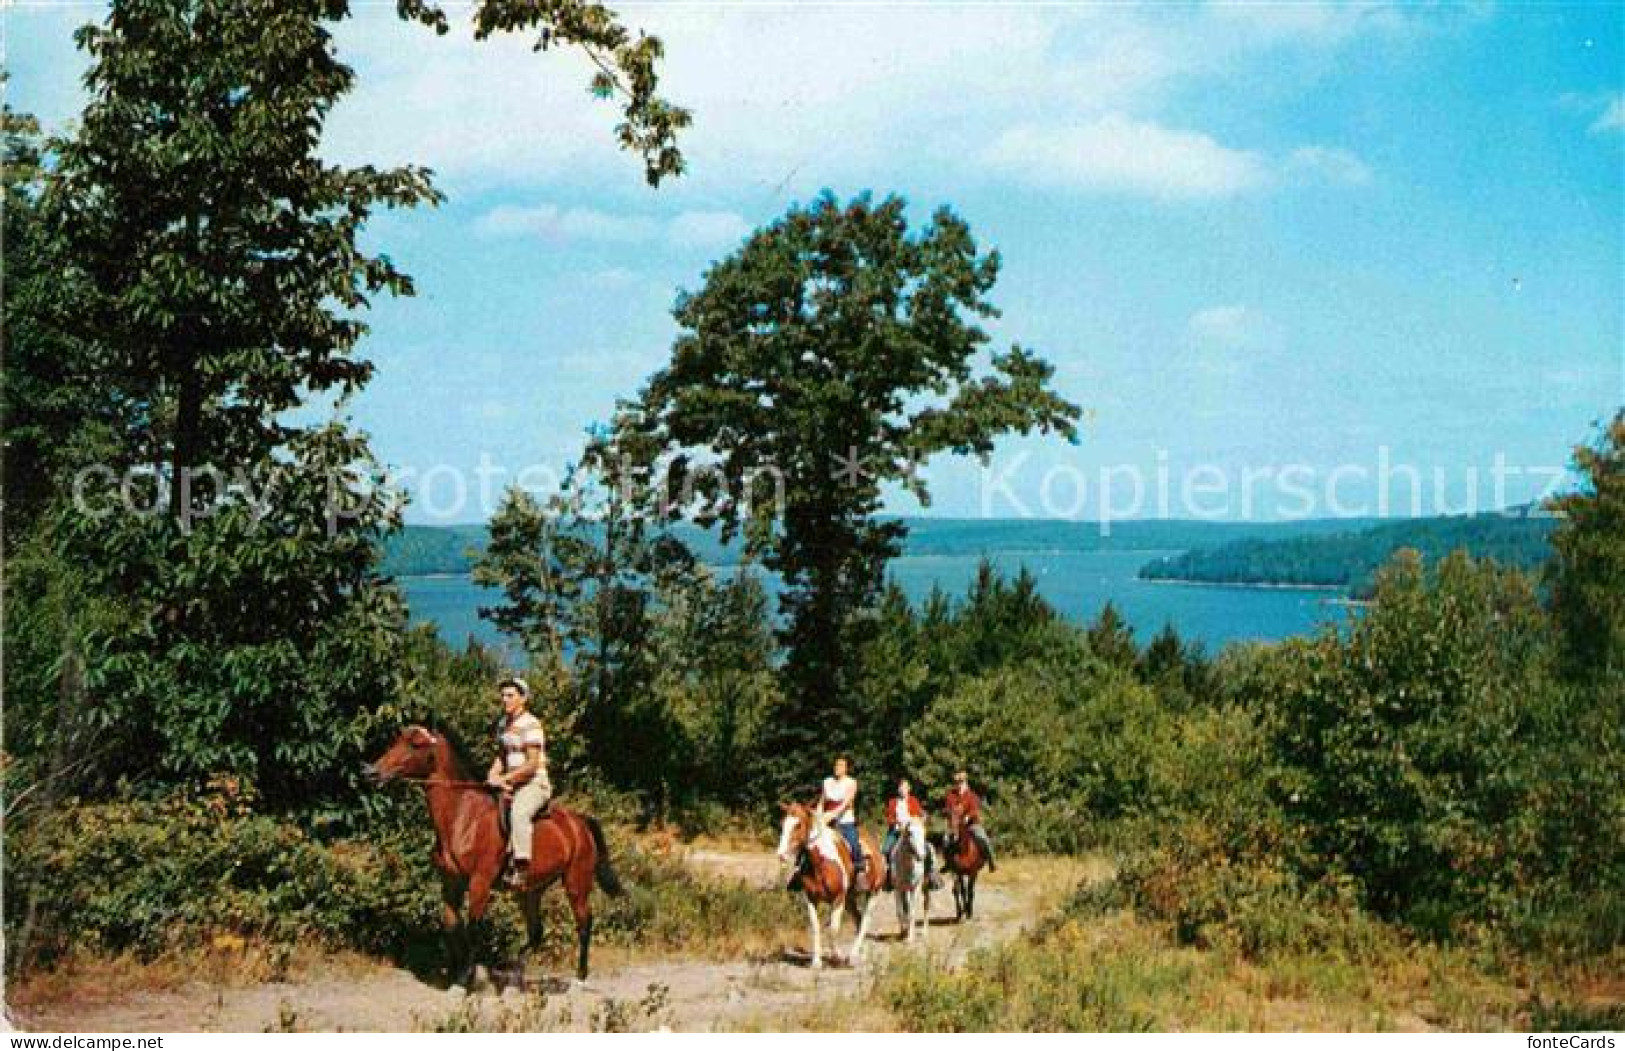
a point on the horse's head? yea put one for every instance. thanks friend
(794, 830)
(414, 754)
(956, 819)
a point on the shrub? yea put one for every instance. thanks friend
(152, 876)
(1431, 755)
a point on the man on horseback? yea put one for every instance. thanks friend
(838, 808)
(960, 799)
(519, 772)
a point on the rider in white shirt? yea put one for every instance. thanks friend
(839, 807)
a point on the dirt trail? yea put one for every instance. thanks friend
(688, 994)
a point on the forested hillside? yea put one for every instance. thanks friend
(1350, 559)
(418, 550)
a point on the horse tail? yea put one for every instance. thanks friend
(605, 872)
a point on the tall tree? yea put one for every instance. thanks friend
(221, 284)
(1588, 575)
(192, 255)
(577, 573)
(222, 249)
(831, 355)
(55, 411)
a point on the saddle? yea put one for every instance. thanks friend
(505, 816)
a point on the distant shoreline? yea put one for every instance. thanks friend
(1239, 584)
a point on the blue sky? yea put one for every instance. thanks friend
(1251, 237)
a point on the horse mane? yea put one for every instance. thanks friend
(467, 765)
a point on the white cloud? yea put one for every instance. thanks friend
(553, 223)
(707, 229)
(612, 277)
(1316, 23)
(1120, 154)
(791, 99)
(691, 229)
(1329, 164)
(1233, 328)
(1612, 117)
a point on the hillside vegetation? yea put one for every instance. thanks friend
(1350, 559)
(418, 550)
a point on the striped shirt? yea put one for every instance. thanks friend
(520, 734)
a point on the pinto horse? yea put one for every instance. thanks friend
(909, 880)
(470, 847)
(824, 875)
(965, 859)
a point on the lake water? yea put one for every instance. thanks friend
(1078, 583)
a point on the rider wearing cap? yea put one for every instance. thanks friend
(520, 771)
(961, 798)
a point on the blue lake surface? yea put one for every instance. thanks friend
(1078, 583)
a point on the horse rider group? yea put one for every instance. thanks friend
(837, 809)
(519, 773)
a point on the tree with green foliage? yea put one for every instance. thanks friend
(525, 559)
(625, 65)
(1587, 576)
(218, 276)
(1111, 639)
(1410, 744)
(49, 393)
(577, 573)
(831, 356)
(713, 685)
(189, 252)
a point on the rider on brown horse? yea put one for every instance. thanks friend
(519, 772)
(965, 802)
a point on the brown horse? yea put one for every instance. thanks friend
(965, 859)
(826, 880)
(470, 847)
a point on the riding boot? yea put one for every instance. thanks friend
(933, 875)
(987, 848)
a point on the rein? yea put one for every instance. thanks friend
(432, 781)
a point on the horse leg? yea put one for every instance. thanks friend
(578, 885)
(817, 945)
(863, 912)
(479, 899)
(452, 891)
(530, 903)
(970, 897)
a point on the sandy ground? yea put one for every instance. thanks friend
(678, 993)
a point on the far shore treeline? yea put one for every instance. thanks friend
(190, 694)
(1331, 552)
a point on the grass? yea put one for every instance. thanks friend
(1085, 962)
(1113, 970)
(671, 910)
